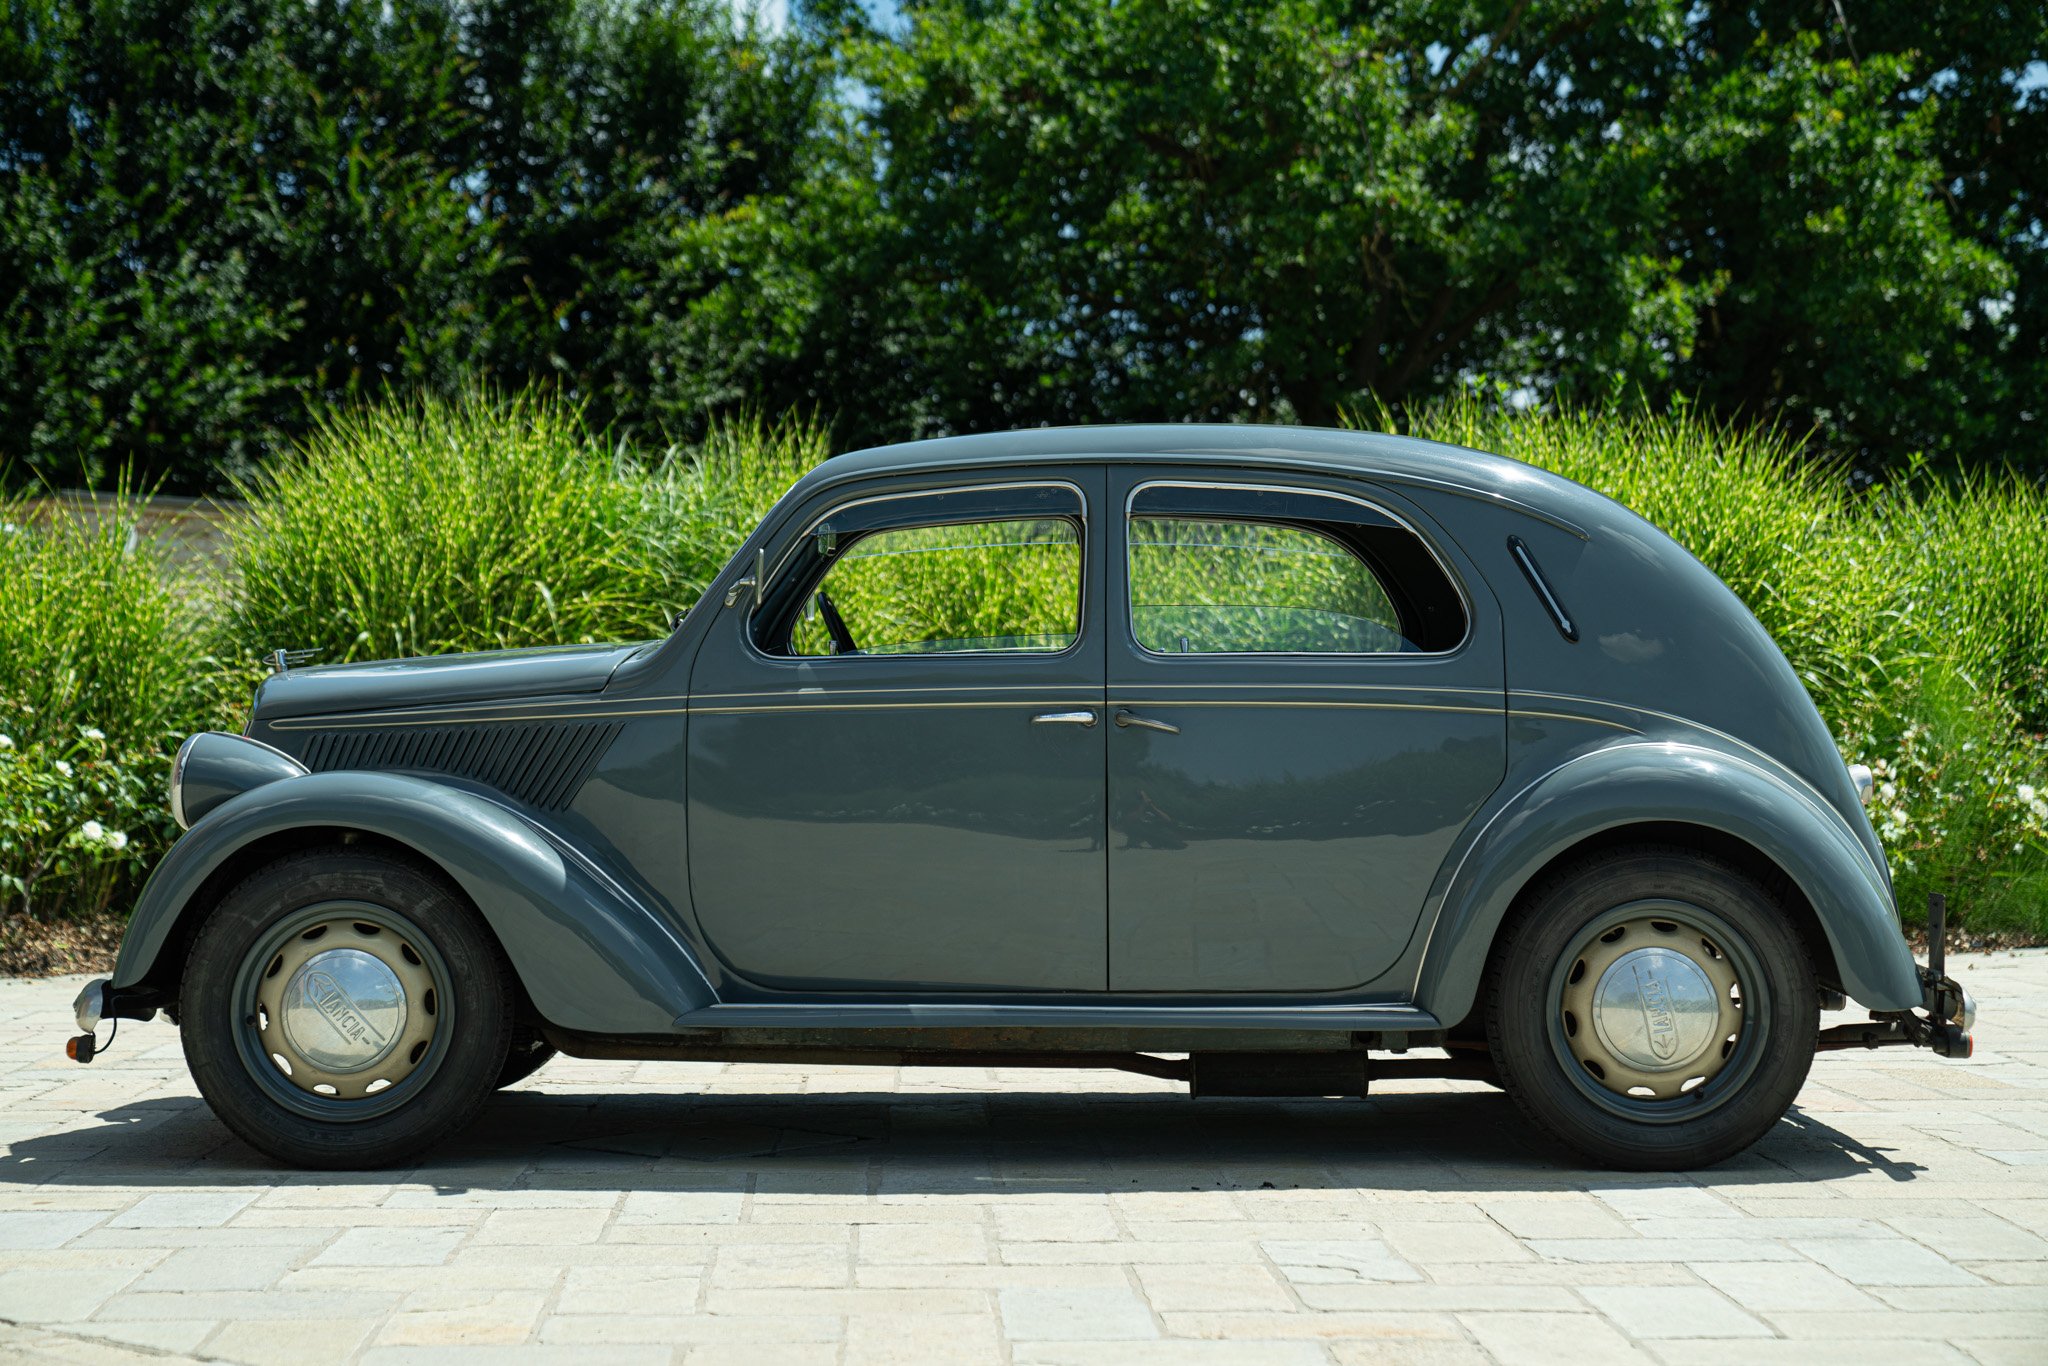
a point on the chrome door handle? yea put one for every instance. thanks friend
(1064, 718)
(1126, 719)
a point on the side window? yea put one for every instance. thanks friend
(903, 576)
(1244, 570)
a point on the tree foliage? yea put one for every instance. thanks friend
(220, 217)
(1198, 209)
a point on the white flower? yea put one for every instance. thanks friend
(117, 840)
(93, 733)
(6, 742)
(63, 768)
(2026, 792)
(93, 831)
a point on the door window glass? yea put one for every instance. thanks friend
(1010, 585)
(1292, 573)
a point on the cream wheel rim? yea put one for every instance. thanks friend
(1651, 1007)
(347, 1008)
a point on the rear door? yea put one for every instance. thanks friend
(1306, 703)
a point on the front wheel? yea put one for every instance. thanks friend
(344, 1008)
(1653, 1008)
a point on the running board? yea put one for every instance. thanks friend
(1373, 1019)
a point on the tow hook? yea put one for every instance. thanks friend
(1949, 1012)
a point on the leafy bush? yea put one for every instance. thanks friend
(103, 669)
(220, 216)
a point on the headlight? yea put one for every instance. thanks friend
(212, 768)
(1860, 775)
(178, 782)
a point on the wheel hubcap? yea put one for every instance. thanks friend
(345, 1008)
(1651, 1007)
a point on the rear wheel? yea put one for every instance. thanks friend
(345, 1008)
(1653, 1008)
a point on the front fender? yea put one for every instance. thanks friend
(590, 956)
(1638, 783)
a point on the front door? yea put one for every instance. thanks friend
(896, 761)
(1306, 709)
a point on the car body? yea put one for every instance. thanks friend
(1234, 741)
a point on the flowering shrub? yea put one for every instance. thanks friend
(76, 820)
(102, 670)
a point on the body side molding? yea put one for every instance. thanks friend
(1399, 1019)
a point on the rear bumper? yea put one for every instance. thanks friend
(1943, 1023)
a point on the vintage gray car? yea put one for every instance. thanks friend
(1243, 755)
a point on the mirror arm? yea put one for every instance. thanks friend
(756, 581)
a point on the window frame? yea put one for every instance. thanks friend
(1130, 624)
(1080, 519)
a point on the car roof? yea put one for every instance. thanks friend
(1401, 459)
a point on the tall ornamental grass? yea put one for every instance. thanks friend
(103, 668)
(485, 523)
(1916, 614)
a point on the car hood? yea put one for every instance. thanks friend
(439, 680)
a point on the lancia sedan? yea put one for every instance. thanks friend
(1277, 761)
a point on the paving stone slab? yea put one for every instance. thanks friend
(692, 1214)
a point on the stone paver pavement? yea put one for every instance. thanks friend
(670, 1212)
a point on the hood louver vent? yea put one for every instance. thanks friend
(540, 765)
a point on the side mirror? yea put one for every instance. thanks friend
(756, 581)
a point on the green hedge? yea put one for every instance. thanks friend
(1917, 614)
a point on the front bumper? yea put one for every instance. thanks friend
(100, 1001)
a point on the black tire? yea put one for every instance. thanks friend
(1677, 901)
(528, 1054)
(466, 1013)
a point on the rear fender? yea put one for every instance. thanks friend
(591, 957)
(1638, 783)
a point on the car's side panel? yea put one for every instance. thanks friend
(590, 957)
(1657, 634)
(1639, 781)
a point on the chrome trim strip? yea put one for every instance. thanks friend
(630, 712)
(1771, 762)
(1525, 560)
(889, 706)
(1572, 716)
(1347, 706)
(624, 711)
(1484, 495)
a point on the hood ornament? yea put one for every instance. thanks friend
(282, 661)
